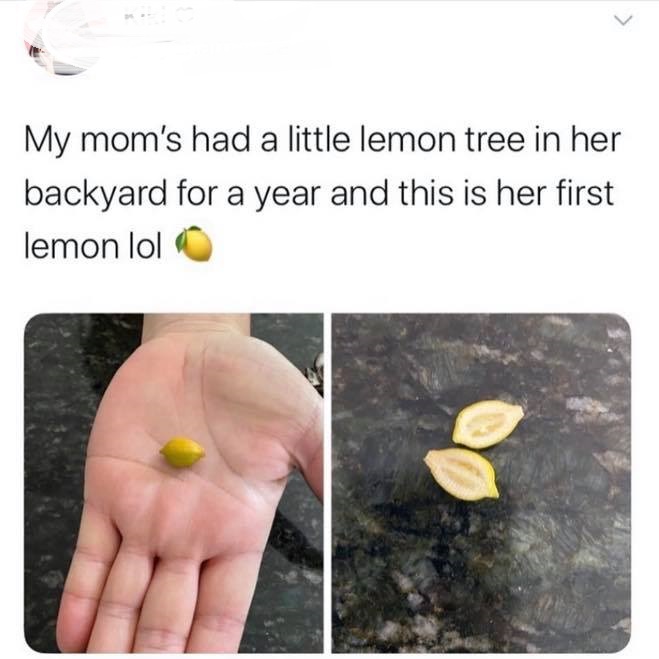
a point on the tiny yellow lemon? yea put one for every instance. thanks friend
(182, 452)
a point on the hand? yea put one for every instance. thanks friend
(167, 559)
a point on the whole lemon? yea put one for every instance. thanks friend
(195, 244)
(182, 452)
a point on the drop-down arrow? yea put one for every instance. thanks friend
(623, 21)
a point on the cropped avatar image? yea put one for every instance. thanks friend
(59, 36)
(481, 483)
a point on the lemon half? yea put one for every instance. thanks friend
(462, 473)
(486, 423)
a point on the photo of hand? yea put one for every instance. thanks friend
(167, 559)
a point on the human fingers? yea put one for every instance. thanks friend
(121, 601)
(98, 542)
(226, 588)
(166, 616)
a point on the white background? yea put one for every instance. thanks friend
(391, 65)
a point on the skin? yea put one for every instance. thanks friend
(167, 559)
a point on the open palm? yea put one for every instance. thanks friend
(167, 559)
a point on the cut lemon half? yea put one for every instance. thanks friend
(462, 473)
(486, 423)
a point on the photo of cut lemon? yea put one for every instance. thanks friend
(486, 423)
(471, 452)
(463, 473)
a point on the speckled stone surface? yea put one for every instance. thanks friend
(546, 567)
(69, 360)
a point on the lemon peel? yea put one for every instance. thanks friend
(462, 473)
(182, 452)
(486, 423)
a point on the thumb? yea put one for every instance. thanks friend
(309, 453)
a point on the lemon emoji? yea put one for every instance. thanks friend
(182, 452)
(196, 245)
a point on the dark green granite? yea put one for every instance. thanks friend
(544, 568)
(69, 360)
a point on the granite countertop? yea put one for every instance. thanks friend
(544, 568)
(69, 360)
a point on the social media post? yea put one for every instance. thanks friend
(371, 131)
(460, 195)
